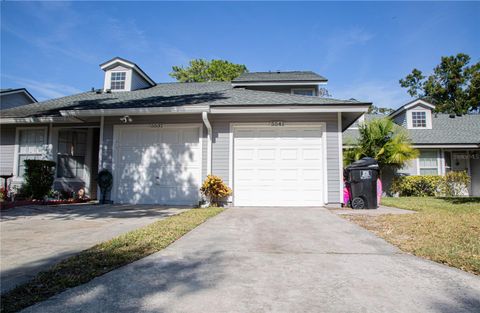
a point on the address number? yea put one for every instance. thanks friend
(156, 125)
(277, 123)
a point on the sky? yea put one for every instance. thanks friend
(363, 48)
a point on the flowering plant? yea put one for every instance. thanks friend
(215, 189)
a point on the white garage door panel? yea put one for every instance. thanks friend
(157, 165)
(278, 166)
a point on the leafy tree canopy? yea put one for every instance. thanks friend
(454, 86)
(377, 110)
(200, 70)
(383, 140)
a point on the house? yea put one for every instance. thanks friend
(266, 134)
(13, 97)
(445, 142)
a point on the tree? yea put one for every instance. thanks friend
(454, 87)
(200, 70)
(377, 110)
(384, 141)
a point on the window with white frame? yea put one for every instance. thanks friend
(419, 119)
(303, 91)
(117, 81)
(72, 149)
(31, 146)
(428, 163)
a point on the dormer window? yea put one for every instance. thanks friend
(419, 119)
(117, 81)
(303, 91)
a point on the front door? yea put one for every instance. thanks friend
(459, 161)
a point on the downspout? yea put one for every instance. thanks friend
(209, 142)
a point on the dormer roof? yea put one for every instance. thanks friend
(412, 104)
(124, 62)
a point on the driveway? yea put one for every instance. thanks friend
(276, 260)
(35, 237)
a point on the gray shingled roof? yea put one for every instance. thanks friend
(445, 130)
(306, 76)
(168, 95)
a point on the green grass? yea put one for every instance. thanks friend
(445, 230)
(103, 258)
(431, 205)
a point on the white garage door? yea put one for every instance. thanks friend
(278, 166)
(157, 165)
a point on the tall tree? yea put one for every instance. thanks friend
(384, 141)
(378, 110)
(454, 86)
(200, 70)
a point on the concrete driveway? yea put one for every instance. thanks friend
(276, 260)
(35, 237)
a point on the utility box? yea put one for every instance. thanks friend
(362, 178)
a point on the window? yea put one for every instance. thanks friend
(72, 147)
(419, 119)
(117, 81)
(31, 146)
(428, 163)
(304, 91)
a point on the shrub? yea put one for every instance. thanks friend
(451, 185)
(215, 189)
(455, 184)
(39, 177)
(417, 185)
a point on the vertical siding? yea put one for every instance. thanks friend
(401, 119)
(7, 149)
(138, 82)
(13, 100)
(221, 143)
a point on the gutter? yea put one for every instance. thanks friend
(136, 111)
(39, 120)
(209, 141)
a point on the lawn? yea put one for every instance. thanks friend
(103, 258)
(445, 230)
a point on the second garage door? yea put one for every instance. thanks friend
(157, 165)
(278, 165)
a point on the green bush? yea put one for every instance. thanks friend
(417, 185)
(39, 177)
(451, 185)
(455, 184)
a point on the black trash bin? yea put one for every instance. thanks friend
(362, 178)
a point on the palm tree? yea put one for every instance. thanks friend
(384, 141)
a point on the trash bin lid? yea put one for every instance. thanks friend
(366, 162)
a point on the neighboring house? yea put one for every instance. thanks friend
(265, 134)
(446, 143)
(11, 97)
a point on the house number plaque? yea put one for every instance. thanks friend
(277, 123)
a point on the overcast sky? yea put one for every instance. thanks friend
(54, 49)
